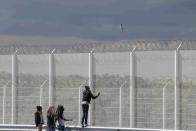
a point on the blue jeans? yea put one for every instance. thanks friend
(50, 127)
(61, 128)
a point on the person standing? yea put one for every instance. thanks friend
(39, 121)
(86, 99)
(61, 118)
(51, 119)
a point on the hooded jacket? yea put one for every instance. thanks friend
(87, 95)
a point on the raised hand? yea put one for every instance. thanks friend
(98, 94)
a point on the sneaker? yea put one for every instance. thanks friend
(82, 125)
(85, 125)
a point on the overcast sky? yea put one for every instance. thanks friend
(99, 19)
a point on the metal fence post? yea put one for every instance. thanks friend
(14, 86)
(79, 105)
(4, 102)
(120, 104)
(51, 78)
(41, 92)
(79, 102)
(91, 74)
(132, 87)
(163, 105)
(177, 89)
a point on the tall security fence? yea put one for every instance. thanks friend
(139, 89)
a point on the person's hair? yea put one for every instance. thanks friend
(59, 111)
(87, 87)
(51, 111)
(39, 108)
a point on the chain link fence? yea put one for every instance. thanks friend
(154, 107)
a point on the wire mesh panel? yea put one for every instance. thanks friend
(169, 106)
(71, 73)
(154, 106)
(5, 82)
(1, 105)
(111, 70)
(33, 71)
(7, 104)
(154, 70)
(5, 67)
(107, 107)
(27, 99)
(188, 90)
(125, 100)
(69, 99)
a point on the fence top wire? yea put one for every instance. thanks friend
(86, 47)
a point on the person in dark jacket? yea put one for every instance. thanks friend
(86, 99)
(61, 118)
(39, 121)
(51, 119)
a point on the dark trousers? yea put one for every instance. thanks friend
(60, 128)
(51, 128)
(85, 108)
